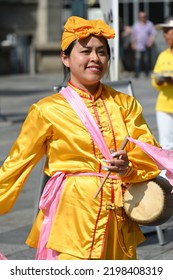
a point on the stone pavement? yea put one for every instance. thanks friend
(17, 93)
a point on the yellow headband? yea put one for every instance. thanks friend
(78, 28)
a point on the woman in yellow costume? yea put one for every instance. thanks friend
(72, 223)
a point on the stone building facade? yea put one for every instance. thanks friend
(30, 30)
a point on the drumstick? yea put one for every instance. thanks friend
(123, 144)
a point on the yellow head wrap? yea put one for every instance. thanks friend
(79, 28)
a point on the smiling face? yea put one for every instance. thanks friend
(88, 62)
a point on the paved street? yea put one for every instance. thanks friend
(17, 93)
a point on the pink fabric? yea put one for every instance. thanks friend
(2, 257)
(163, 158)
(48, 203)
(53, 189)
(87, 119)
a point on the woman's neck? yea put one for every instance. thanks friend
(90, 89)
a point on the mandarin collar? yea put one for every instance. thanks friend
(85, 94)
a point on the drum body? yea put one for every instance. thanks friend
(149, 203)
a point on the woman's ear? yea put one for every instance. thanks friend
(65, 59)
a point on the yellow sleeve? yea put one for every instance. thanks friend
(158, 69)
(25, 153)
(141, 167)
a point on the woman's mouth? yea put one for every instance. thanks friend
(94, 68)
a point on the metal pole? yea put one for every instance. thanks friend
(136, 10)
(166, 9)
(78, 8)
(115, 8)
(160, 235)
(110, 9)
(126, 13)
(146, 8)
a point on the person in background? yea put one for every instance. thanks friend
(142, 37)
(162, 81)
(73, 223)
(124, 42)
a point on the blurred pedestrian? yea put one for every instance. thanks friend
(162, 81)
(143, 38)
(124, 42)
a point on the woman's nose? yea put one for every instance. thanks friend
(94, 56)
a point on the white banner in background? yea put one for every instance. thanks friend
(110, 10)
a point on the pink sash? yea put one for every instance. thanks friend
(87, 119)
(49, 202)
(2, 256)
(53, 189)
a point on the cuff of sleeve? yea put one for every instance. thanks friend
(129, 171)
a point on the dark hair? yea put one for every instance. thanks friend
(67, 52)
(70, 47)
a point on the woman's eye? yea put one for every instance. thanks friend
(86, 51)
(102, 53)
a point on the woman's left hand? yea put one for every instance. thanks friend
(119, 163)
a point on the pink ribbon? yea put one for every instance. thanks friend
(2, 256)
(163, 158)
(87, 119)
(53, 189)
(48, 203)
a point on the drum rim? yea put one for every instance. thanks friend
(155, 217)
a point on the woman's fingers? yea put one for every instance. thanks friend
(118, 164)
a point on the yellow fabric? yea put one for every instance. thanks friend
(77, 28)
(52, 127)
(63, 256)
(121, 248)
(113, 249)
(165, 99)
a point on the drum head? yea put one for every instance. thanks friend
(144, 202)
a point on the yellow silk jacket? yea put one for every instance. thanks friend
(164, 64)
(53, 128)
